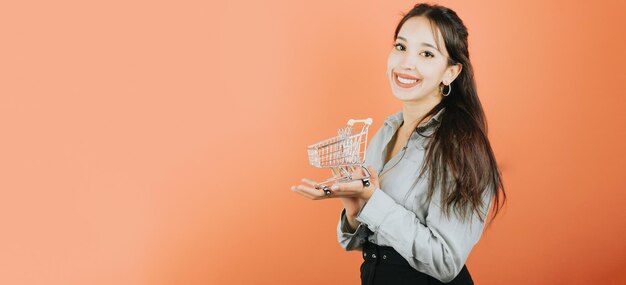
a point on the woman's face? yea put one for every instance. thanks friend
(415, 66)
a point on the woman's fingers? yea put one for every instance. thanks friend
(307, 192)
(317, 194)
(348, 188)
(372, 172)
(313, 193)
(357, 172)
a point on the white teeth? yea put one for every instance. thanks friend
(406, 81)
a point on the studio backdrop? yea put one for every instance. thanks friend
(155, 142)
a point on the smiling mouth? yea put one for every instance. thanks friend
(405, 82)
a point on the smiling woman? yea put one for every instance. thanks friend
(432, 183)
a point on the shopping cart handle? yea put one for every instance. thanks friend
(367, 121)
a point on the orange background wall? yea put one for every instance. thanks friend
(154, 142)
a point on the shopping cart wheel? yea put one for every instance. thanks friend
(366, 182)
(326, 190)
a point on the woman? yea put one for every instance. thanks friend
(433, 172)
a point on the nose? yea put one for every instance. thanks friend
(408, 62)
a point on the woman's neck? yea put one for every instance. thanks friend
(413, 112)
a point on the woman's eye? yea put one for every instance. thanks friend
(399, 46)
(427, 54)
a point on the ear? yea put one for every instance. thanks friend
(451, 73)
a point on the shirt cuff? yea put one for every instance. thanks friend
(376, 210)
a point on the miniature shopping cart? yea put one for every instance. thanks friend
(342, 154)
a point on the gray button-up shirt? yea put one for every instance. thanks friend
(398, 214)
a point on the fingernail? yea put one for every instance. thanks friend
(334, 187)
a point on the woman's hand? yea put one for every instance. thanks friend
(353, 194)
(352, 189)
(356, 188)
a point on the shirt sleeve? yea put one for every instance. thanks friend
(438, 247)
(351, 240)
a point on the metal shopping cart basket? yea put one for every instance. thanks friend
(342, 154)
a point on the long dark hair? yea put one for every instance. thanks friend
(459, 158)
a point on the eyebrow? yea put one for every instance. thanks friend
(424, 44)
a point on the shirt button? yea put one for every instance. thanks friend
(373, 255)
(384, 257)
(365, 254)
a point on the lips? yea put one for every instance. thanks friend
(405, 80)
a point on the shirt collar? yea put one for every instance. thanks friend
(396, 120)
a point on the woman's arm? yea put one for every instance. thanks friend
(352, 223)
(439, 247)
(350, 238)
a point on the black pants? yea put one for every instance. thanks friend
(384, 265)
